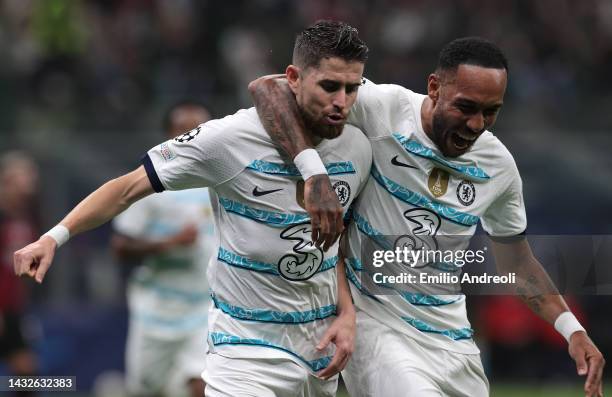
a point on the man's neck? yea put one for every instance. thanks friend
(427, 117)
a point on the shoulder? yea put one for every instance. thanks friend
(238, 135)
(494, 157)
(387, 94)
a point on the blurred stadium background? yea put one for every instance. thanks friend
(83, 85)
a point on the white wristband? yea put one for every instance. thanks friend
(566, 324)
(59, 233)
(309, 163)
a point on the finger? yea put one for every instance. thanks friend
(344, 362)
(23, 264)
(332, 368)
(315, 224)
(43, 266)
(329, 241)
(593, 379)
(326, 339)
(339, 221)
(335, 238)
(581, 364)
(324, 229)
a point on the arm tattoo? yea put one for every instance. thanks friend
(280, 116)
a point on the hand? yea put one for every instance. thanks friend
(342, 334)
(185, 237)
(321, 203)
(589, 362)
(35, 259)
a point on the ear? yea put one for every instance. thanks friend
(293, 77)
(433, 87)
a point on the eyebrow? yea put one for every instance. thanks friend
(464, 101)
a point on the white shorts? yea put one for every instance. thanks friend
(263, 377)
(391, 364)
(156, 365)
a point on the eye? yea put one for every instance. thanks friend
(352, 88)
(330, 86)
(466, 108)
(490, 112)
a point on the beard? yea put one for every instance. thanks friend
(444, 138)
(318, 129)
(438, 126)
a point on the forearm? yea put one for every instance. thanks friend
(107, 201)
(345, 301)
(533, 285)
(279, 114)
(546, 306)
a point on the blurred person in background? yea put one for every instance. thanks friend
(437, 171)
(172, 236)
(19, 223)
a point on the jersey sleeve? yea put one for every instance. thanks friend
(206, 156)
(380, 107)
(133, 221)
(506, 216)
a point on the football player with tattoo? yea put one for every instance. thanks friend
(434, 159)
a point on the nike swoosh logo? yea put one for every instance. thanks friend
(257, 192)
(395, 161)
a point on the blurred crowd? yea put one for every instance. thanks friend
(107, 64)
(83, 85)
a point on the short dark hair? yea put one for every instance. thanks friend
(471, 51)
(167, 119)
(326, 39)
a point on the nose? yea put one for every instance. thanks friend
(476, 122)
(339, 99)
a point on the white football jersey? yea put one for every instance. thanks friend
(169, 294)
(415, 191)
(274, 292)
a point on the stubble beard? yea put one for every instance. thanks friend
(319, 130)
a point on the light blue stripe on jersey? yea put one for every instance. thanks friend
(234, 259)
(454, 334)
(266, 167)
(364, 227)
(275, 219)
(219, 338)
(418, 200)
(271, 316)
(172, 293)
(415, 147)
(412, 298)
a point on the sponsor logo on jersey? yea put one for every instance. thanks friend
(395, 161)
(257, 192)
(306, 258)
(466, 193)
(438, 182)
(186, 137)
(424, 225)
(343, 191)
(166, 152)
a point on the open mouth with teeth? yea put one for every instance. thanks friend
(461, 141)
